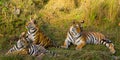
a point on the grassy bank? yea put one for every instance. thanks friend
(54, 18)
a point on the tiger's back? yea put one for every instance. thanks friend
(96, 37)
(42, 39)
(37, 36)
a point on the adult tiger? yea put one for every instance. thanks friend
(77, 36)
(37, 36)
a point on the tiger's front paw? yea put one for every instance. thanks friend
(64, 47)
(113, 51)
(7, 53)
(78, 49)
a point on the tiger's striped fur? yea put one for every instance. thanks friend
(24, 47)
(78, 37)
(37, 36)
(34, 50)
(21, 43)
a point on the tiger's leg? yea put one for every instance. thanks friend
(18, 52)
(8, 53)
(111, 47)
(66, 43)
(11, 51)
(22, 52)
(108, 44)
(80, 45)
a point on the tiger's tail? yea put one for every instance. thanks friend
(108, 43)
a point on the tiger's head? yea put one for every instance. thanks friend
(23, 43)
(31, 26)
(76, 28)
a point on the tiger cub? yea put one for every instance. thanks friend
(78, 37)
(36, 36)
(34, 50)
(21, 43)
(24, 47)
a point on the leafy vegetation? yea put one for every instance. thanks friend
(54, 18)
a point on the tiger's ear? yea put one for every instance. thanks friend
(33, 21)
(73, 22)
(81, 23)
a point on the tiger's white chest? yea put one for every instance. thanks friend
(31, 36)
(78, 41)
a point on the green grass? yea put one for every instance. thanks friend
(17, 57)
(54, 18)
